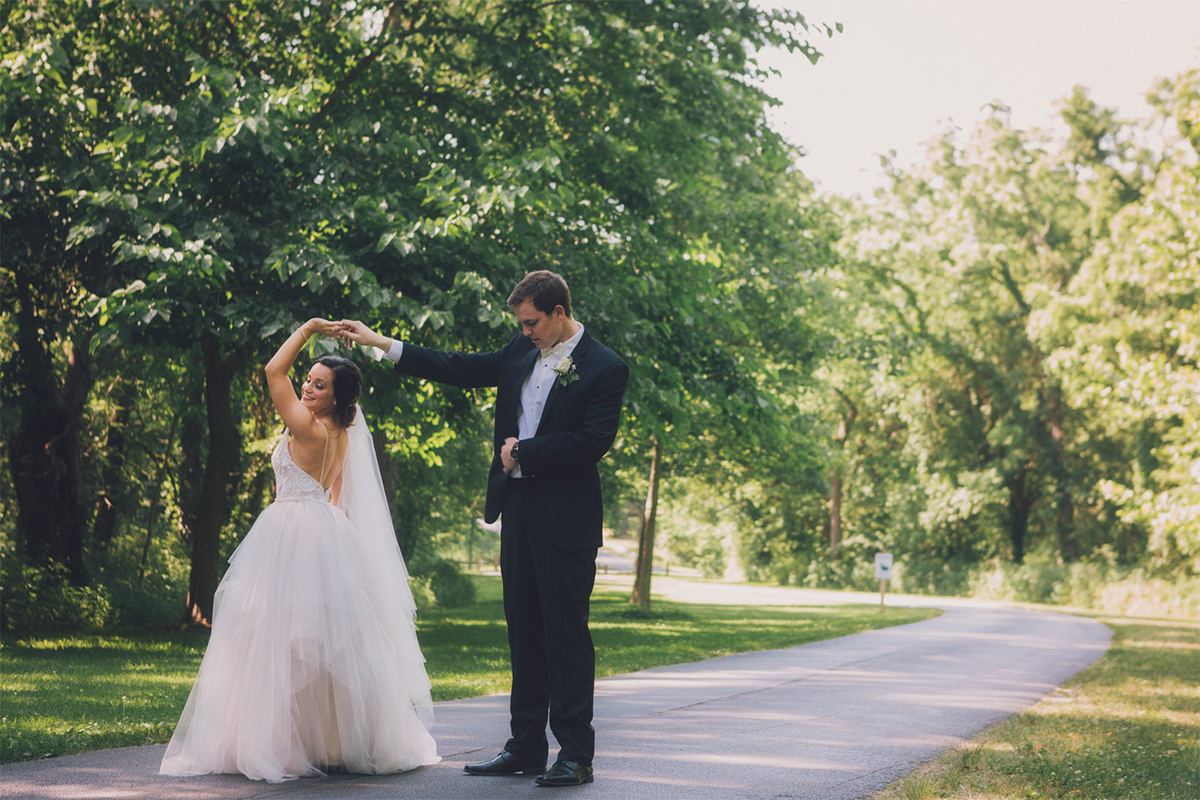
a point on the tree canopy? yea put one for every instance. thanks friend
(204, 175)
(992, 361)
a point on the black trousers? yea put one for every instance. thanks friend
(546, 599)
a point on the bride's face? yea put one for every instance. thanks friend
(317, 392)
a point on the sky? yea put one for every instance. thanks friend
(901, 70)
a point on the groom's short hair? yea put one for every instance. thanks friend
(545, 289)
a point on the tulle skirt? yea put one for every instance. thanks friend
(302, 671)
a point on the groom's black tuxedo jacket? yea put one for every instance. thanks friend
(578, 425)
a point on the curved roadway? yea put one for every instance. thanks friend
(829, 720)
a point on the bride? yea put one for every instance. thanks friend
(313, 663)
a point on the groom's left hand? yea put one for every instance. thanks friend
(506, 459)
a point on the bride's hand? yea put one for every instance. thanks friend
(323, 327)
(351, 330)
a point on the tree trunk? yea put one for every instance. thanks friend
(836, 479)
(188, 476)
(223, 442)
(44, 452)
(835, 513)
(1064, 500)
(112, 478)
(645, 558)
(1020, 502)
(156, 484)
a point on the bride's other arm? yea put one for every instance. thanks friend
(283, 394)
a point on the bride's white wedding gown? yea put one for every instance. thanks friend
(313, 659)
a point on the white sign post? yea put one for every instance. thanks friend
(883, 571)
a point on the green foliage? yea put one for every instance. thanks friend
(43, 600)
(451, 588)
(195, 176)
(700, 526)
(947, 577)
(1134, 364)
(1095, 584)
(1010, 376)
(994, 358)
(1028, 583)
(423, 594)
(121, 595)
(842, 573)
(1105, 588)
(144, 599)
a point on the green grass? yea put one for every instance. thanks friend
(1127, 727)
(65, 695)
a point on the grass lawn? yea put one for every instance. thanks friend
(1127, 727)
(70, 694)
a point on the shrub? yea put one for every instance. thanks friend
(701, 547)
(830, 574)
(1143, 596)
(153, 598)
(43, 600)
(1022, 583)
(422, 594)
(917, 574)
(1093, 585)
(1035, 583)
(450, 587)
(1082, 583)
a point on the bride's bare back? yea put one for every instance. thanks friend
(322, 459)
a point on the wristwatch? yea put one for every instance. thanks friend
(515, 453)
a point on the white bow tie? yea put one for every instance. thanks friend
(556, 350)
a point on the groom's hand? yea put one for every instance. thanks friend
(510, 466)
(351, 330)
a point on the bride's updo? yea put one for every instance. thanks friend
(347, 386)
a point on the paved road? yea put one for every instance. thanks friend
(829, 720)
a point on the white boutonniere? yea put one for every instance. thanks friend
(565, 370)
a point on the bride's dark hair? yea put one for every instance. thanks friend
(347, 386)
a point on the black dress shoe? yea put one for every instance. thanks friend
(507, 764)
(566, 773)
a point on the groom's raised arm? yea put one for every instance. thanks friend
(468, 370)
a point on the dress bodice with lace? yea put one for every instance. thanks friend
(291, 482)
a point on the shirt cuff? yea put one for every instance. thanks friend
(395, 351)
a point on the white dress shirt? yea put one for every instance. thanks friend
(537, 388)
(395, 351)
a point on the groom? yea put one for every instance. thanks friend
(558, 404)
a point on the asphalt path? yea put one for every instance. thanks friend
(829, 720)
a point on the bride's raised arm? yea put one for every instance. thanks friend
(283, 394)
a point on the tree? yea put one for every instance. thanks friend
(47, 127)
(979, 254)
(157, 174)
(1131, 365)
(225, 168)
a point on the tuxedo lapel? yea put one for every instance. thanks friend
(577, 358)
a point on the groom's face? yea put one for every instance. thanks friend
(544, 330)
